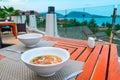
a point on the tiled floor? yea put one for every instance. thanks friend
(9, 38)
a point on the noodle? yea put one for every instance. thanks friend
(46, 59)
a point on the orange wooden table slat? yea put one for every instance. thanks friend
(85, 54)
(90, 64)
(100, 72)
(77, 53)
(67, 48)
(114, 72)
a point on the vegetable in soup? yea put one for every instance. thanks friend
(46, 59)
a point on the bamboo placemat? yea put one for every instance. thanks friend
(17, 70)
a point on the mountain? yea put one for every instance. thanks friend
(58, 15)
(75, 14)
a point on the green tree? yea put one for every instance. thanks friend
(2, 13)
(108, 31)
(93, 26)
(117, 27)
(103, 24)
(65, 23)
(92, 21)
(74, 20)
(108, 25)
(84, 23)
(10, 11)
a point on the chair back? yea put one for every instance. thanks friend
(0, 42)
(5, 28)
(2, 20)
(21, 27)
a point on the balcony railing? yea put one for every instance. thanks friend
(80, 23)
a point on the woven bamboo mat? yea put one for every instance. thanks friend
(17, 70)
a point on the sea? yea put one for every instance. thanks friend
(98, 21)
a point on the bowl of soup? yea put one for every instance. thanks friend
(30, 39)
(45, 61)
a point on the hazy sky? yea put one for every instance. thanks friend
(42, 5)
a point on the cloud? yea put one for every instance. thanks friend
(13, 2)
(18, 2)
(42, 5)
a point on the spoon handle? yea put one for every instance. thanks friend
(14, 51)
(73, 75)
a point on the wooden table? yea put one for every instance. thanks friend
(12, 24)
(101, 62)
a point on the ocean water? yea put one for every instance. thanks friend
(98, 21)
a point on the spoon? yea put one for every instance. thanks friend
(73, 75)
(14, 51)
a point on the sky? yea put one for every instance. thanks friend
(42, 5)
(91, 6)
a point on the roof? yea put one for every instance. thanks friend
(102, 28)
(100, 34)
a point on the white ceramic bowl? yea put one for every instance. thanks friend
(45, 70)
(30, 40)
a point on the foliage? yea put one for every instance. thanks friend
(103, 24)
(93, 26)
(2, 13)
(27, 20)
(108, 25)
(92, 21)
(70, 23)
(40, 22)
(84, 23)
(117, 27)
(108, 31)
(8, 11)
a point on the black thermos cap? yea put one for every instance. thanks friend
(23, 13)
(51, 9)
(31, 12)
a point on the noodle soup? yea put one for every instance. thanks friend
(45, 69)
(46, 59)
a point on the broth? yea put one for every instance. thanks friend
(46, 59)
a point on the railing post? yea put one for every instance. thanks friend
(51, 23)
(32, 21)
(113, 24)
(23, 17)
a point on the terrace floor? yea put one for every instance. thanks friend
(9, 38)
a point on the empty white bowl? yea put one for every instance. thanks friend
(48, 69)
(30, 40)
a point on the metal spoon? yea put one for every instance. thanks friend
(14, 51)
(73, 75)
